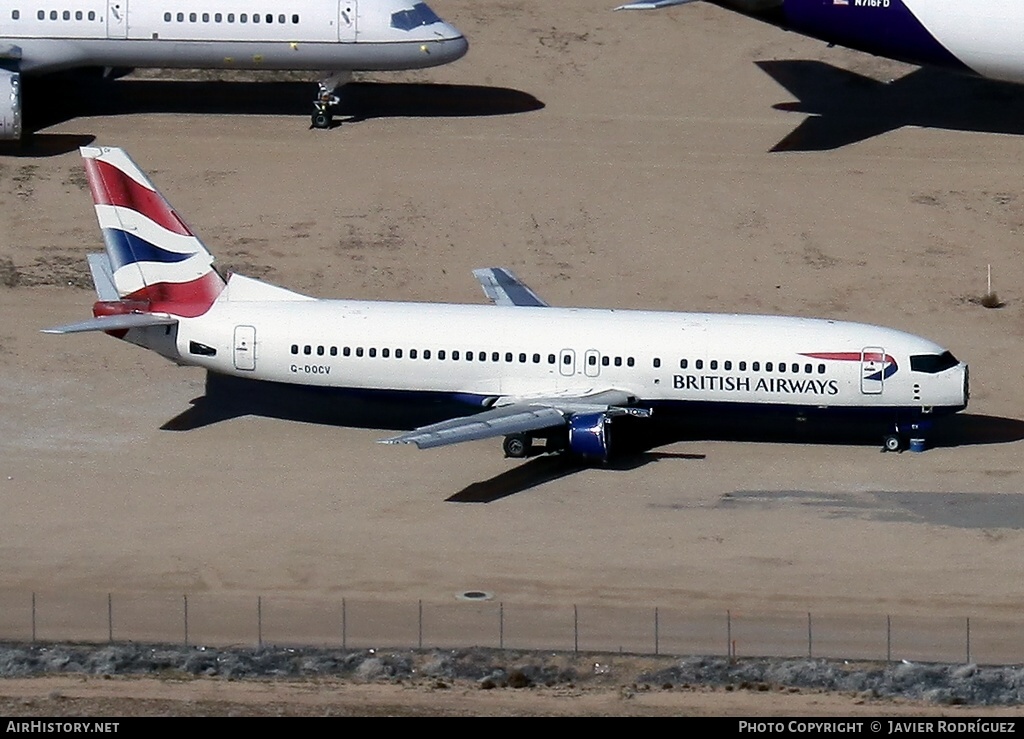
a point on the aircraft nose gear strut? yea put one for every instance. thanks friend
(323, 116)
(326, 101)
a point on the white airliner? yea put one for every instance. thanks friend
(982, 37)
(333, 37)
(522, 369)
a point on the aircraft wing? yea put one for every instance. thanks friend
(504, 288)
(495, 422)
(652, 4)
(517, 416)
(115, 323)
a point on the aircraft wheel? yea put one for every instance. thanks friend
(892, 443)
(322, 119)
(516, 446)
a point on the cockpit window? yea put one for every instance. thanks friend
(933, 363)
(418, 15)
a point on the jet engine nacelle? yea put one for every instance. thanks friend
(589, 436)
(10, 105)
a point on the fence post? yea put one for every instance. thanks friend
(420, 641)
(344, 626)
(501, 625)
(968, 640)
(259, 621)
(810, 642)
(888, 638)
(575, 629)
(33, 617)
(184, 599)
(110, 618)
(655, 631)
(728, 635)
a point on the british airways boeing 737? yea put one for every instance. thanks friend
(521, 369)
(982, 37)
(334, 37)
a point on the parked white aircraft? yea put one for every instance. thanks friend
(524, 370)
(339, 36)
(980, 36)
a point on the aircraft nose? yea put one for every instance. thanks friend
(452, 44)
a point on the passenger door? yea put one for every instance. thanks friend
(245, 348)
(347, 19)
(117, 18)
(872, 370)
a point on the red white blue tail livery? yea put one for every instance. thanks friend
(520, 368)
(154, 257)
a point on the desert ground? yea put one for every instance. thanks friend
(622, 160)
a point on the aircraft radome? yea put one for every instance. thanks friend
(520, 369)
(340, 36)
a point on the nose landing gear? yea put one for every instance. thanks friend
(914, 437)
(327, 100)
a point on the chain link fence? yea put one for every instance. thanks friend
(279, 620)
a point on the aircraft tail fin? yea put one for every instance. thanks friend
(153, 257)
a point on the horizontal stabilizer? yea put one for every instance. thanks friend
(495, 422)
(115, 323)
(103, 277)
(504, 288)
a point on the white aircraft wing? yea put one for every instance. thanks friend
(504, 288)
(495, 422)
(652, 4)
(517, 416)
(115, 323)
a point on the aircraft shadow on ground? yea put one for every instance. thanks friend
(845, 107)
(45, 145)
(635, 442)
(85, 96)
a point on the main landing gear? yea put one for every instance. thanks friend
(517, 446)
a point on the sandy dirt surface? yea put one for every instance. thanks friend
(610, 159)
(94, 697)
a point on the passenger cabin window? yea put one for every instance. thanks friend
(15, 14)
(933, 363)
